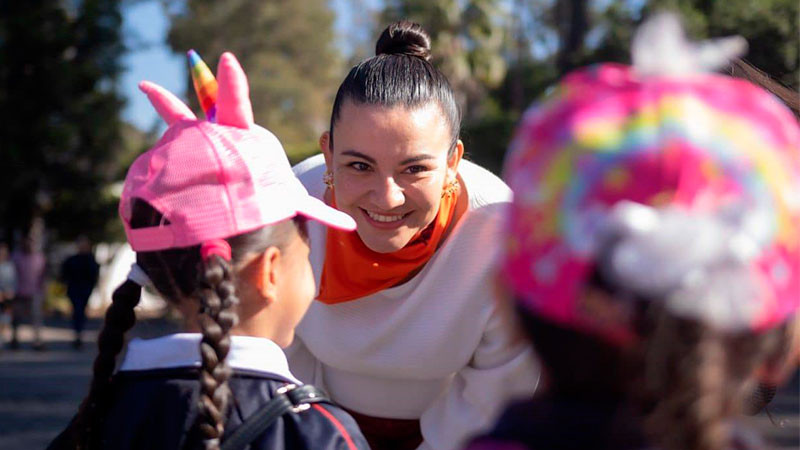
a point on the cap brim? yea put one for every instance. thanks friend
(316, 209)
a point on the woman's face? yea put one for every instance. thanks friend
(390, 166)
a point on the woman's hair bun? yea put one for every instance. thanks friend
(404, 38)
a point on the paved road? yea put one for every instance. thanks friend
(40, 391)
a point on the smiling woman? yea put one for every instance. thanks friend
(405, 333)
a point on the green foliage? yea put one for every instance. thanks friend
(770, 27)
(287, 50)
(486, 138)
(468, 39)
(60, 114)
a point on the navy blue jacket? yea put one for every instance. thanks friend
(155, 409)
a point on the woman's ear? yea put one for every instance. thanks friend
(325, 146)
(266, 274)
(454, 160)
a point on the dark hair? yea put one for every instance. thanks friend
(683, 377)
(740, 68)
(179, 274)
(399, 74)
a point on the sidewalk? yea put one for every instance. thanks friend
(41, 391)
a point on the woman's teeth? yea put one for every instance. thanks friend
(382, 218)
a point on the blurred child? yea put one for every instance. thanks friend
(218, 223)
(653, 251)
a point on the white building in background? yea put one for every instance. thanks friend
(115, 261)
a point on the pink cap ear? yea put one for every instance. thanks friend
(169, 107)
(233, 99)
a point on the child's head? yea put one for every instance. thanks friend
(217, 220)
(268, 270)
(653, 239)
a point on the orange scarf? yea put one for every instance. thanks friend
(351, 270)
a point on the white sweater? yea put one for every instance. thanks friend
(433, 348)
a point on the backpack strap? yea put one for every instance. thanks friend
(288, 398)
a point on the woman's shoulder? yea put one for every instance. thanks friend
(310, 170)
(483, 187)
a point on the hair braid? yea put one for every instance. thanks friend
(218, 316)
(120, 317)
(688, 370)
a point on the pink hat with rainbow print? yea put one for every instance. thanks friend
(682, 188)
(215, 180)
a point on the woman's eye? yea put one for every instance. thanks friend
(359, 166)
(415, 169)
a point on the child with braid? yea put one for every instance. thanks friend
(218, 223)
(653, 252)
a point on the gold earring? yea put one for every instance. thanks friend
(451, 188)
(328, 179)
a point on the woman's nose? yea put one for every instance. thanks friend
(388, 195)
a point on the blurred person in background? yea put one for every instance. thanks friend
(652, 251)
(8, 287)
(80, 272)
(31, 264)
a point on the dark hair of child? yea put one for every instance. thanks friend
(740, 68)
(179, 274)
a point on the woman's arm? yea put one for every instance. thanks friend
(501, 368)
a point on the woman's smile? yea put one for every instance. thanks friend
(384, 221)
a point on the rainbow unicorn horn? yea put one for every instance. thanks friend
(204, 84)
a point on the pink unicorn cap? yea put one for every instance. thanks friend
(215, 180)
(682, 188)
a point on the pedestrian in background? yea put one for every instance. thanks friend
(79, 272)
(30, 264)
(8, 287)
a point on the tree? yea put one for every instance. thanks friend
(287, 50)
(572, 18)
(469, 39)
(770, 27)
(560, 35)
(59, 114)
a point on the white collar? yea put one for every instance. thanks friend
(182, 350)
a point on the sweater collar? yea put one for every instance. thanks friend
(182, 350)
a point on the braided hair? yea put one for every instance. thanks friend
(218, 315)
(179, 274)
(697, 377)
(119, 318)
